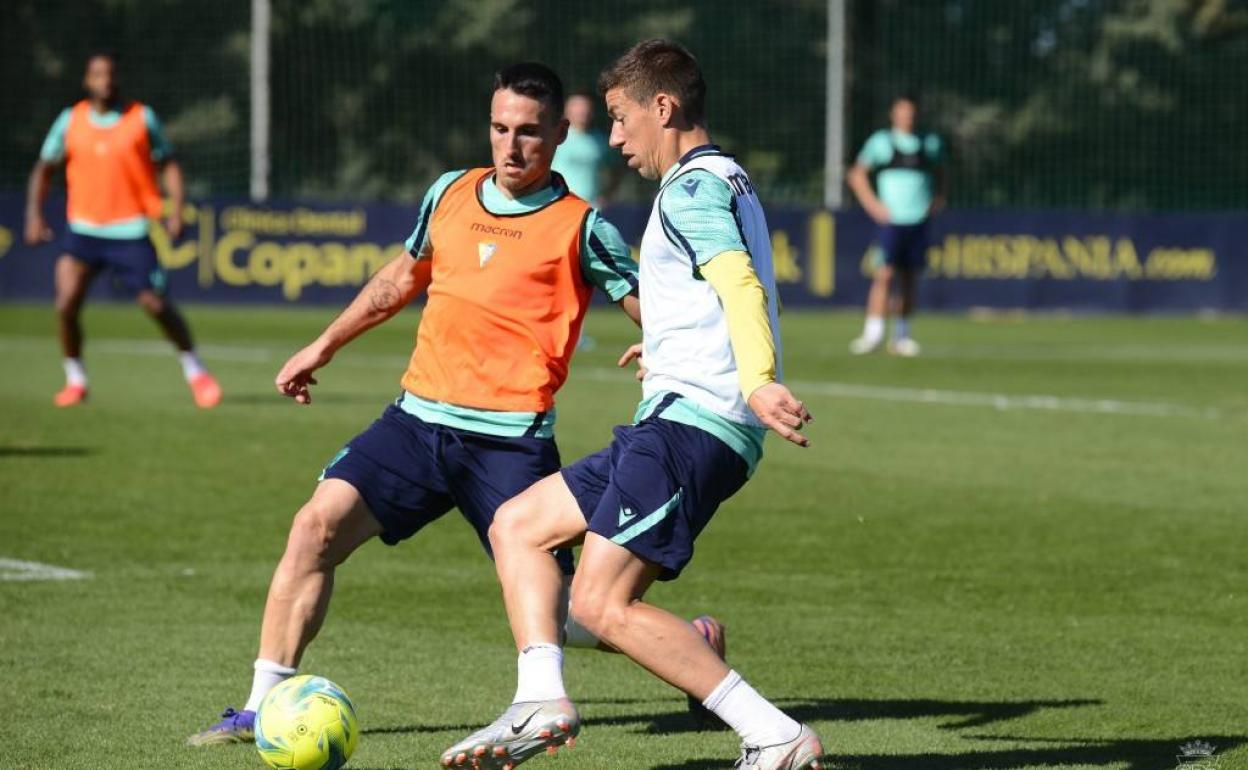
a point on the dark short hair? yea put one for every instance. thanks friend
(534, 80)
(658, 66)
(905, 96)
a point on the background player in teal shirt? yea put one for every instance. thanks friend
(583, 158)
(909, 189)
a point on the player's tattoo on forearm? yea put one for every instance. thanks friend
(385, 295)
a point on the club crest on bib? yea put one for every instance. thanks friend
(485, 250)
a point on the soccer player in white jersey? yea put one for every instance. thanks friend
(711, 390)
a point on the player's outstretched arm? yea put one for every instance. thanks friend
(732, 276)
(632, 308)
(634, 354)
(37, 230)
(860, 183)
(171, 176)
(396, 284)
(778, 409)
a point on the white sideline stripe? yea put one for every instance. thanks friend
(998, 401)
(24, 571)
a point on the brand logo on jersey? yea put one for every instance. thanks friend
(691, 186)
(740, 184)
(485, 250)
(626, 514)
(506, 232)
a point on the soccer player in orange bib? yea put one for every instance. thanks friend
(508, 259)
(112, 150)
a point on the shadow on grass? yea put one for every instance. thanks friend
(964, 714)
(677, 719)
(408, 729)
(45, 451)
(1129, 754)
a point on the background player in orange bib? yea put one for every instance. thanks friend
(112, 150)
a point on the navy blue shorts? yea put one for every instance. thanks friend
(411, 472)
(903, 246)
(132, 261)
(655, 488)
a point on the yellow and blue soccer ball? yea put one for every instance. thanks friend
(306, 723)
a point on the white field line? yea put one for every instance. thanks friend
(998, 401)
(24, 571)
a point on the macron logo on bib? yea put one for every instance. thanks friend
(691, 186)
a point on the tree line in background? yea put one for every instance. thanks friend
(1091, 104)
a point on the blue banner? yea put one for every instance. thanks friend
(236, 251)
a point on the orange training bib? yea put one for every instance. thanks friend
(109, 170)
(505, 304)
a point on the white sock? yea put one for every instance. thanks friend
(901, 329)
(539, 673)
(75, 374)
(873, 329)
(268, 675)
(753, 717)
(192, 367)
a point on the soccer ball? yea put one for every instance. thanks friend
(306, 723)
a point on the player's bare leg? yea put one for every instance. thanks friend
(606, 599)
(902, 343)
(877, 309)
(72, 279)
(203, 385)
(526, 530)
(325, 531)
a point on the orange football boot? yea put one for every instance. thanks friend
(206, 390)
(70, 395)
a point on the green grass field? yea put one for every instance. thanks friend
(1023, 550)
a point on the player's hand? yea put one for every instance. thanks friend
(37, 231)
(633, 352)
(174, 226)
(780, 410)
(295, 378)
(937, 206)
(878, 213)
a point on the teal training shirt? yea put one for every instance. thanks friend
(906, 193)
(606, 262)
(698, 209)
(580, 159)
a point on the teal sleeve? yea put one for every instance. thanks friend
(418, 242)
(606, 260)
(162, 150)
(877, 151)
(934, 147)
(696, 210)
(53, 150)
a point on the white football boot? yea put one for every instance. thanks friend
(804, 752)
(523, 730)
(905, 347)
(860, 346)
